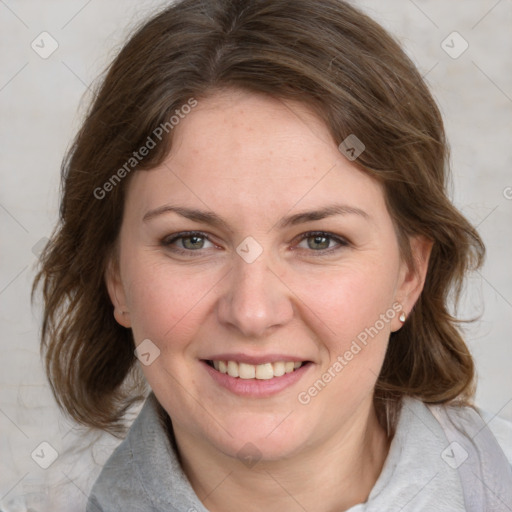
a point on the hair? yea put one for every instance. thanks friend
(325, 54)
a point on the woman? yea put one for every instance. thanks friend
(256, 204)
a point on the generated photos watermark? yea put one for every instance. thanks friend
(151, 142)
(361, 341)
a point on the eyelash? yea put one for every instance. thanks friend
(169, 240)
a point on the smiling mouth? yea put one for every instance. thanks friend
(265, 371)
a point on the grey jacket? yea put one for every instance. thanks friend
(441, 458)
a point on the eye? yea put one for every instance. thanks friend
(322, 242)
(190, 241)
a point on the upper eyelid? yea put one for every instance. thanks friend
(185, 234)
(307, 234)
(340, 240)
(303, 236)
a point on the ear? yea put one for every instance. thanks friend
(412, 275)
(117, 293)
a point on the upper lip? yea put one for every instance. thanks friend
(254, 359)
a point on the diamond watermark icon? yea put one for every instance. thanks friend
(146, 352)
(454, 455)
(38, 247)
(44, 455)
(249, 454)
(352, 147)
(454, 45)
(44, 45)
(249, 250)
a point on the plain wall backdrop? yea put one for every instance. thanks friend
(41, 102)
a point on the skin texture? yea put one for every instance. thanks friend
(253, 160)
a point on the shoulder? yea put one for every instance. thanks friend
(501, 428)
(119, 484)
(144, 473)
(475, 451)
(483, 428)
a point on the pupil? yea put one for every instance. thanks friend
(323, 241)
(194, 242)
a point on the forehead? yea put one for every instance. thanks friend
(242, 152)
(247, 130)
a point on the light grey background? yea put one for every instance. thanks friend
(41, 103)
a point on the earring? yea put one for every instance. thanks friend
(402, 317)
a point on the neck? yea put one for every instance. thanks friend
(332, 475)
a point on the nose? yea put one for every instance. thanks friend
(255, 299)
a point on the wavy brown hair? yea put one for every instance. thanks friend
(323, 53)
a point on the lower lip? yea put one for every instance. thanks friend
(259, 388)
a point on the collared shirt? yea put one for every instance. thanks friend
(420, 473)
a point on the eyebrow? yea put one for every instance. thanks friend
(209, 217)
(322, 213)
(204, 216)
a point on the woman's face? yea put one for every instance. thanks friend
(257, 245)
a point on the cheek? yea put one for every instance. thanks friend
(356, 310)
(167, 301)
(350, 299)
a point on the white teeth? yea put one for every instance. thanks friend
(233, 369)
(246, 371)
(278, 369)
(265, 371)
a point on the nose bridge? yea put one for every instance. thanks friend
(255, 298)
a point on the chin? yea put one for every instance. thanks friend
(262, 439)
